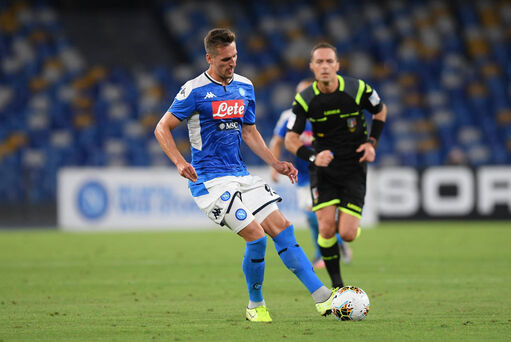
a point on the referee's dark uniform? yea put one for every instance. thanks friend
(338, 125)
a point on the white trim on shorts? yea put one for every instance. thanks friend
(258, 199)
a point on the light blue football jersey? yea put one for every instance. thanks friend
(215, 116)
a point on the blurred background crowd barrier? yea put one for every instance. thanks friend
(83, 83)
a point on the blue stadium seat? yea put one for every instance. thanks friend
(392, 36)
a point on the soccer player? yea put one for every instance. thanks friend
(303, 183)
(335, 106)
(219, 107)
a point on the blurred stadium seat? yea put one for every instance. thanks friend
(443, 68)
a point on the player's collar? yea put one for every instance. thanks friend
(215, 81)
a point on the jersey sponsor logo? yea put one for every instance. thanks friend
(227, 126)
(228, 109)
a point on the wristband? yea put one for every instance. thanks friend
(376, 129)
(372, 141)
(306, 154)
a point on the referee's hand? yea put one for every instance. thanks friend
(324, 158)
(369, 152)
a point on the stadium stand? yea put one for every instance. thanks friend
(443, 68)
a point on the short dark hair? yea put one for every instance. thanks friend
(324, 45)
(218, 37)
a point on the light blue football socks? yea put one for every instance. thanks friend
(253, 268)
(293, 256)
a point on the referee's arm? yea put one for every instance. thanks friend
(295, 146)
(292, 142)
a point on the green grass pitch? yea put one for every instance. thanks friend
(436, 281)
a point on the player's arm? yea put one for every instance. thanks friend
(164, 136)
(379, 119)
(276, 144)
(255, 141)
(296, 125)
(373, 103)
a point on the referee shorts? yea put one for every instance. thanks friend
(339, 185)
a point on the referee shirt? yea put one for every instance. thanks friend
(337, 118)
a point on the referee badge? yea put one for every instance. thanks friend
(315, 195)
(352, 124)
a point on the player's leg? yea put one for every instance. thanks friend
(241, 221)
(327, 241)
(325, 197)
(261, 200)
(293, 256)
(253, 268)
(312, 221)
(305, 203)
(351, 206)
(344, 247)
(290, 252)
(348, 225)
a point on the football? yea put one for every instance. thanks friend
(350, 303)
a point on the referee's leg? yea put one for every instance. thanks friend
(348, 226)
(327, 241)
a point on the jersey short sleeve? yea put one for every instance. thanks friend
(249, 117)
(371, 100)
(297, 123)
(184, 103)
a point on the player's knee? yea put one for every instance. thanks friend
(253, 231)
(275, 223)
(327, 228)
(350, 234)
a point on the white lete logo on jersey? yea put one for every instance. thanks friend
(228, 109)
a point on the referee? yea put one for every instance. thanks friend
(335, 106)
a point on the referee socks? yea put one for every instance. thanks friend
(331, 256)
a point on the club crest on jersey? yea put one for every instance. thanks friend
(228, 109)
(352, 124)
